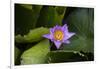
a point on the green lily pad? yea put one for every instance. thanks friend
(33, 36)
(81, 21)
(51, 16)
(26, 17)
(80, 43)
(60, 56)
(37, 54)
(27, 6)
(16, 55)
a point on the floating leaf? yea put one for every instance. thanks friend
(80, 43)
(51, 16)
(37, 54)
(25, 17)
(65, 56)
(20, 39)
(33, 36)
(36, 13)
(16, 55)
(81, 20)
(27, 6)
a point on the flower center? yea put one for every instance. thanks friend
(58, 35)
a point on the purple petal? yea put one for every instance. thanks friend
(65, 28)
(47, 36)
(66, 41)
(57, 27)
(52, 40)
(57, 44)
(68, 35)
(52, 33)
(52, 30)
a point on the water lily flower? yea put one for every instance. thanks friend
(59, 34)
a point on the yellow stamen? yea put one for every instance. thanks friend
(58, 35)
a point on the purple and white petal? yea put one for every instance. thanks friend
(51, 30)
(52, 40)
(65, 28)
(57, 44)
(47, 36)
(66, 41)
(57, 27)
(68, 35)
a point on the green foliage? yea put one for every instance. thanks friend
(80, 43)
(16, 55)
(25, 18)
(36, 54)
(36, 34)
(81, 21)
(28, 6)
(33, 21)
(33, 36)
(51, 16)
(65, 56)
